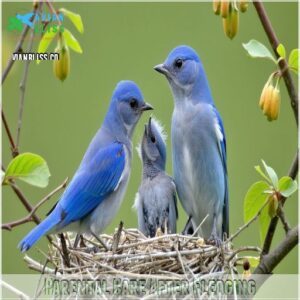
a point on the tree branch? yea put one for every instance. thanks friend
(284, 221)
(271, 260)
(22, 89)
(13, 148)
(273, 224)
(283, 65)
(19, 45)
(29, 218)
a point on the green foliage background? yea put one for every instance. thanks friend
(124, 41)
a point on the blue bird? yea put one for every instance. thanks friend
(199, 145)
(156, 199)
(95, 193)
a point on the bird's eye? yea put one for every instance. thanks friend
(178, 63)
(133, 103)
(153, 140)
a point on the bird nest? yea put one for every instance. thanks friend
(131, 255)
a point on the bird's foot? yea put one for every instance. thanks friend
(214, 240)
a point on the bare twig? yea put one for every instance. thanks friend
(64, 249)
(23, 88)
(286, 74)
(284, 221)
(29, 218)
(18, 47)
(246, 225)
(13, 148)
(14, 290)
(271, 260)
(243, 249)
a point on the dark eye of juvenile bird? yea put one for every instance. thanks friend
(133, 103)
(178, 63)
(153, 140)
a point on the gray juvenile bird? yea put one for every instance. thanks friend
(156, 199)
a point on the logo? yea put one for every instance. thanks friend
(40, 23)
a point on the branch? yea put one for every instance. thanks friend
(246, 225)
(29, 218)
(271, 260)
(273, 224)
(283, 65)
(13, 148)
(22, 90)
(19, 45)
(284, 221)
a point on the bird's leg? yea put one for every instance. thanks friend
(214, 238)
(188, 228)
(98, 238)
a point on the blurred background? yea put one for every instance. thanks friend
(125, 41)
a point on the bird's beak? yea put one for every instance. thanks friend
(161, 68)
(146, 106)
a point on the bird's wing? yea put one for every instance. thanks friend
(92, 183)
(222, 148)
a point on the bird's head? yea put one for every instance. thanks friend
(153, 146)
(183, 70)
(128, 104)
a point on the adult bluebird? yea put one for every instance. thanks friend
(198, 144)
(95, 193)
(156, 199)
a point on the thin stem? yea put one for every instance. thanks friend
(283, 65)
(284, 221)
(273, 224)
(13, 148)
(22, 89)
(18, 47)
(29, 217)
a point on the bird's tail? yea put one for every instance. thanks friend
(35, 234)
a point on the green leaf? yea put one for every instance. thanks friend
(71, 41)
(30, 168)
(254, 199)
(293, 60)
(257, 49)
(281, 51)
(74, 18)
(264, 221)
(45, 41)
(261, 172)
(272, 174)
(287, 186)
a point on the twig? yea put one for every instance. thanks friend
(13, 148)
(117, 237)
(273, 224)
(284, 221)
(242, 249)
(29, 218)
(18, 46)
(286, 74)
(14, 290)
(65, 251)
(271, 260)
(246, 225)
(23, 88)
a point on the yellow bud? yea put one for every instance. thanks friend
(244, 5)
(61, 67)
(217, 6)
(263, 96)
(225, 7)
(271, 102)
(231, 24)
(234, 23)
(275, 105)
